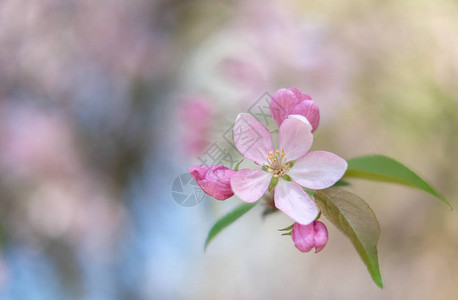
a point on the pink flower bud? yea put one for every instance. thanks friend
(214, 180)
(292, 101)
(306, 237)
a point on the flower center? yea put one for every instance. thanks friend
(277, 163)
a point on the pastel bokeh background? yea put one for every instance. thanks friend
(103, 104)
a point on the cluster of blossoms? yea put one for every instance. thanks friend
(287, 171)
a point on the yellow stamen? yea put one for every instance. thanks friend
(277, 164)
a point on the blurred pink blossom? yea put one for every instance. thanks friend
(196, 114)
(65, 197)
(273, 47)
(104, 37)
(36, 143)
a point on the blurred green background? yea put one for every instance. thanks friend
(104, 103)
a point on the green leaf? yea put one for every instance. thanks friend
(227, 220)
(357, 221)
(341, 183)
(309, 192)
(382, 168)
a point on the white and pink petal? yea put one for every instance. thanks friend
(291, 199)
(295, 137)
(252, 138)
(250, 185)
(318, 170)
(310, 110)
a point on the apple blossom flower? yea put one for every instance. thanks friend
(292, 101)
(313, 235)
(292, 165)
(214, 180)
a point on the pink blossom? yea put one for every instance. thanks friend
(214, 180)
(293, 165)
(306, 237)
(292, 101)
